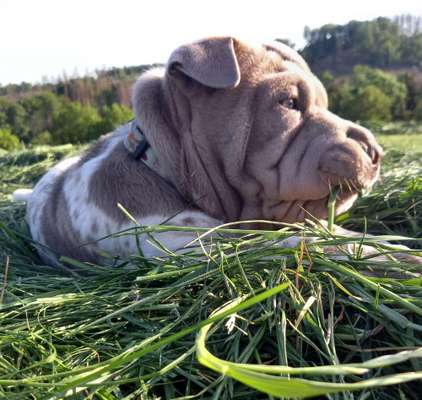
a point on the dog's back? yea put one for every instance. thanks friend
(76, 202)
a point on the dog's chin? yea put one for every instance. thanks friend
(301, 210)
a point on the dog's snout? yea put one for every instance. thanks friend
(367, 141)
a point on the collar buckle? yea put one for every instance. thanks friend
(135, 141)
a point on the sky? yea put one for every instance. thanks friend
(43, 39)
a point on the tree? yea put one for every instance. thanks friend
(73, 123)
(387, 44)
(13, 117)
(379, 43)
(42, 138)
(395, 90)
(39, 113)
(414, 89)
(368, 95)
(412, 50)
(418, 108)
(340, 97)
(370, 104)
(339, 93)
(112, 117)
(409, 24)
(8, 141)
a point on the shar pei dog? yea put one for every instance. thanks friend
(227, 131)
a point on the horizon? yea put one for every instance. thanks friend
(85, 33)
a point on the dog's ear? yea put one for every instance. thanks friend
(211, 62)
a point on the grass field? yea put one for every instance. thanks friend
(291, 322)
(405, 142)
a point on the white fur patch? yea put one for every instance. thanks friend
(88, 221)
(22, 194)
(41, 194)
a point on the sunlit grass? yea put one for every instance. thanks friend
(411, 142)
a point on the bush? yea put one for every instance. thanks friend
(13, 117)
(8, 141)
(370, 104)
(74, 123)
(40, 110)
(112, 117)
(369, 95)
(387, 83)
(418, 109)
(42, 138)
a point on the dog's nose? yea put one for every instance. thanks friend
(367, 141)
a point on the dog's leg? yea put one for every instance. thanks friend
(157, 243)
(177, 241)
(354, 249)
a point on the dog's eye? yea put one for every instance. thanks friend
(290, 103)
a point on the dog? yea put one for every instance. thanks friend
(227, 131)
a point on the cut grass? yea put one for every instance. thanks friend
(129, 332)
(24, 168)
(394, 206)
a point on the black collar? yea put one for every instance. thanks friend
(136, 143)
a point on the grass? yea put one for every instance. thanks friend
(410, 142)
(284, 321)
(24, 168)
(400, 136)
(394, 206)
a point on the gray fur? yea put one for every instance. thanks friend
(124, 179)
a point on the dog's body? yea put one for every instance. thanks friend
(238, 132)
(69, 211)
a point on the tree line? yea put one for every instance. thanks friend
(372, 70)
(373, 95)
(47, 118)
(382, 43)
(72, 110)
(79, 109)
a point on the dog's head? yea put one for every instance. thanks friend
(248, 133)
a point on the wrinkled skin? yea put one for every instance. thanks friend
(273, 139)
(316, 150)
